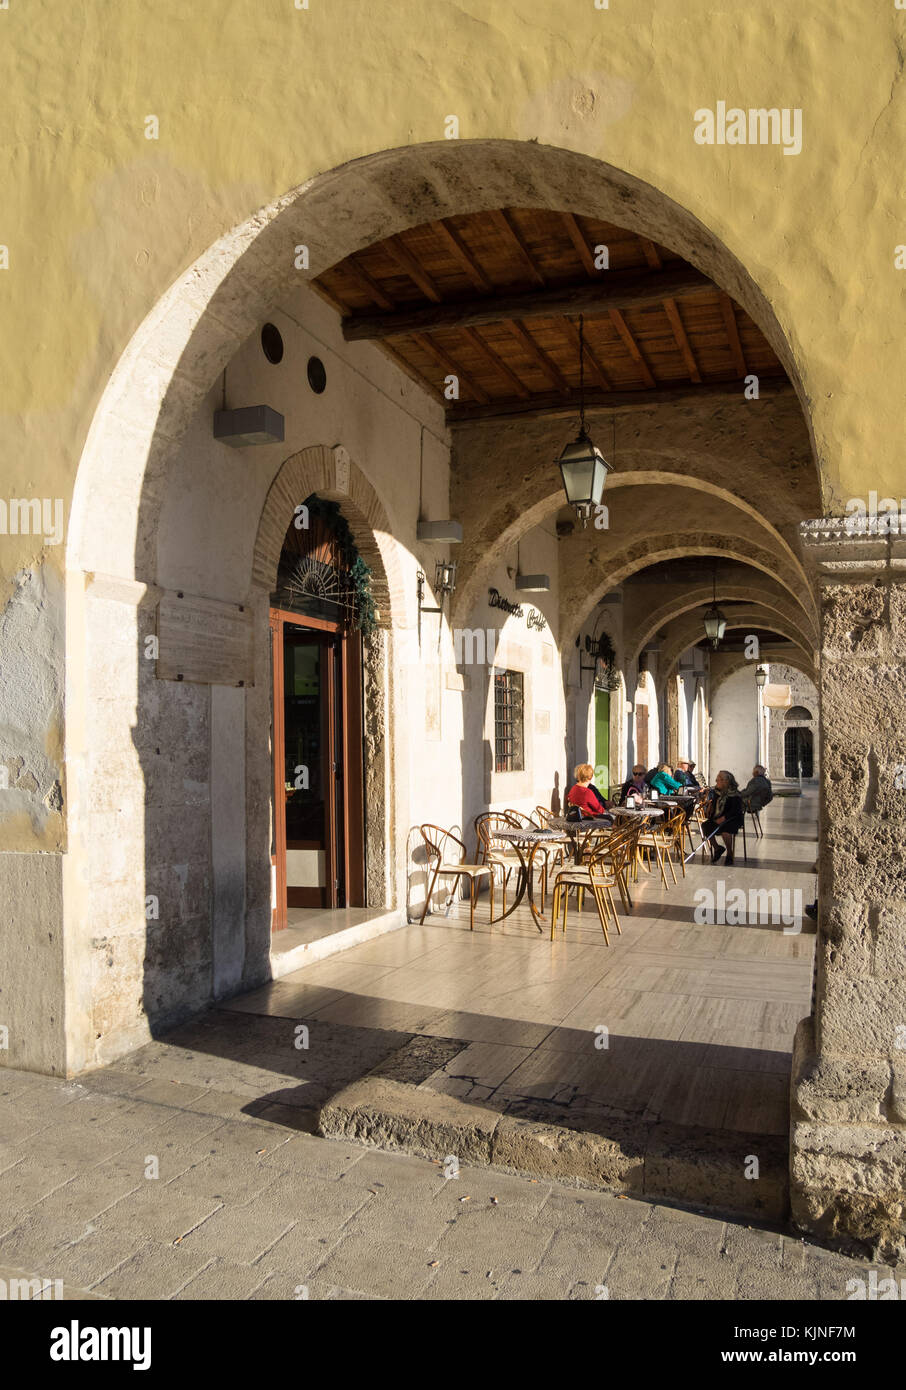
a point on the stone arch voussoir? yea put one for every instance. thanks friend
(332, 474)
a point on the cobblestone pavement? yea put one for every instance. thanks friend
(245, 1206)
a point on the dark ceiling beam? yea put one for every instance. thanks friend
(635, 352)
(508, 232)
(617, 290)
(547, 365)
(581, 246)
(450, 367)
(554, 404)
(461, 253)
(413, 268)
(726, 308)
(681, 339)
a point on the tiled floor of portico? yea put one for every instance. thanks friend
(699, 1017)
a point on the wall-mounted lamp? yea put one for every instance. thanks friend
(761, 677)
(444, 584)
(533, 583)
(250, 424)
(449, 532)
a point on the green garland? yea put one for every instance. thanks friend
(359, 574)
(611, 677)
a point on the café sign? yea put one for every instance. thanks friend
(534, 621)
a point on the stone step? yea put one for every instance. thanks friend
(329, 932)
(684, 1164)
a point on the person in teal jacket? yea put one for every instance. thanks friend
(663, 782)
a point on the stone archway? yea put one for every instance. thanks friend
(332, 473)
(194, 330)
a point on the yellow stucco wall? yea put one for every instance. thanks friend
(253, 98)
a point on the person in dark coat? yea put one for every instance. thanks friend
(724, 815)
(758, 790)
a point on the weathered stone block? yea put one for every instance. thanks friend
(708, 1167)
(392, 1115)
(852, 619)
(861, 1017)
(549, 1151)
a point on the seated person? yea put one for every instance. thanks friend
(758, 791)
(724, 815)
(683, 774)
(637, 783)
(663, 781)
(586, 796)
(697, 776)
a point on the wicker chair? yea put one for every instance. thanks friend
(437, 842)
(496, 853)
(595, 876)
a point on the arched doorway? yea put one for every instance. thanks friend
(798, 749)
(319, 610)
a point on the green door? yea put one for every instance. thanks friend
(602, 741)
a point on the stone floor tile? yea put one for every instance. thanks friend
(155, 1271)
(363, 1263)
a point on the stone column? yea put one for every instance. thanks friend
(848, 1135)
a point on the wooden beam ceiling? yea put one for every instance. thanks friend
(554, 404)
(493, 298)
(613, 290)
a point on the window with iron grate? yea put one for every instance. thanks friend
(508, 722)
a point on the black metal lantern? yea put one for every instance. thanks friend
(761, 677)
(583, 467)
(714, 620)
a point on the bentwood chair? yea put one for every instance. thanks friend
(437, 848)
(597, 877)
(651, 841)
(674, 834)
(495, 852)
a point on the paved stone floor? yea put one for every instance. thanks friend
(188, 1170)
(700, 1018)
(246, 1207)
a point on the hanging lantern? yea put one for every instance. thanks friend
(714, 620)
(583, 467)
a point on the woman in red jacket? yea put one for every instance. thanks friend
(587, 797)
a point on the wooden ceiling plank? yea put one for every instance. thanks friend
(635, 351)
(416, 272)
(682, 340)
(516, 244)
(579, 242)
(729, 317)
(450, 367)
(478, 342)
(461, 253)
(547, 364)
(592, 361)
(553, 404)
(617, 290)
(368, 285)
(652, 254)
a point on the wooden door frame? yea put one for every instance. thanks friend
(346, 737)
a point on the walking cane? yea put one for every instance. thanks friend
(704, 842)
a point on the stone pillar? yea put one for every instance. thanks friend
(672, 709)
(848, 1134)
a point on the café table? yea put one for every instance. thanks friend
(526, 844)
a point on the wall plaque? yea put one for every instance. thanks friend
(204, 641)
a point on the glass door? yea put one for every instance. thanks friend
(318, 835)
(313, 847)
